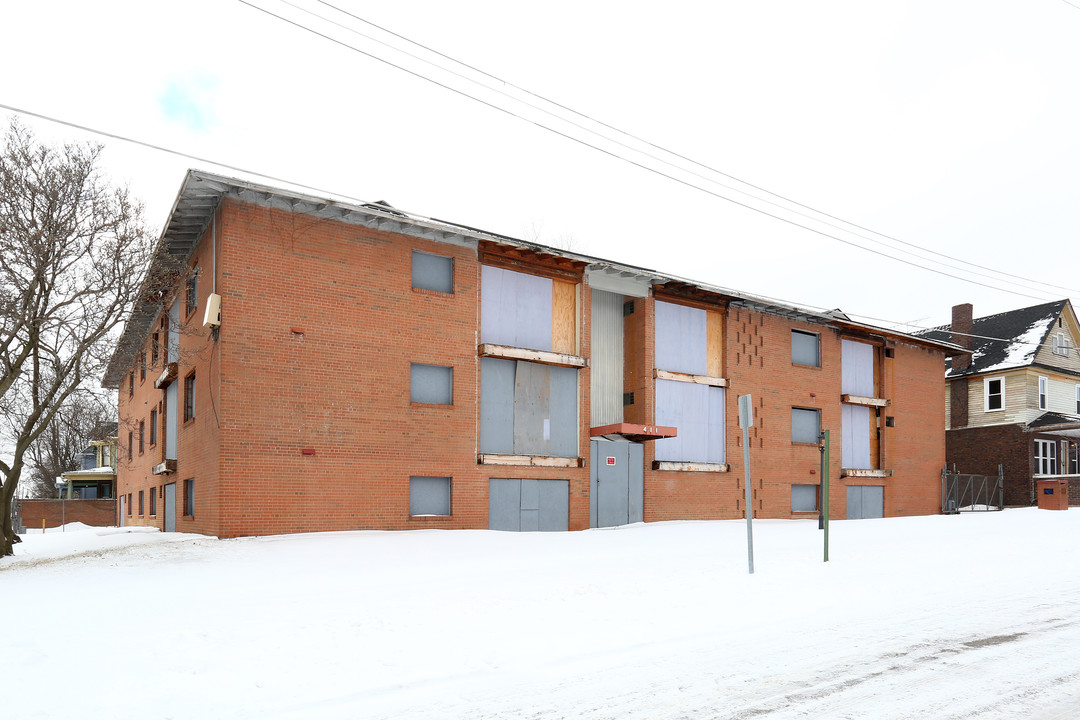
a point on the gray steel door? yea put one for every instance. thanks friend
(523, 505)
(122, 508)
(618, 483)
(170, 507)
(865, 501)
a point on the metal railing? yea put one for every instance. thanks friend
(962, 492)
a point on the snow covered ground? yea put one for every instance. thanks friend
(969, 616)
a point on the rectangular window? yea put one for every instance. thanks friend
(131, 444)
(994, 393)
(681, 338)
(528, 408)
(1078, 399)
(155, 350)
(805, 425)
(131, 384)
(1061, 345)
(1046, 457)
(805, 348)
(189, 497)
(153, 501)
(698, 412)
(142, 436)
(856, 423)
(857, 368)
(189, 397)
(142, 366)
(431, 384)
(515, 309)
(432, 272)
(1074, 459)
(1043, 382)
(129, 508)
(153, 427)
(429, 496)
(142, 502)
(804, 498)
(191, 295)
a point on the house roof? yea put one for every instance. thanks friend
(1004, 341)
(202, 192)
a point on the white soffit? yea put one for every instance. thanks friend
(620, 282)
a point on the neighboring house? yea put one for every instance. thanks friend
(96, 476)
(321, 365)
(1015, 400)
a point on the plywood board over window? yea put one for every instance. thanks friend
(528, 408)
(857, 368)
(515, 309)
(564, 337)
(856, 453)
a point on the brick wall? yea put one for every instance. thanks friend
(97, 513)
(979, 451)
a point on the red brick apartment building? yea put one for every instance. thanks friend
(360, 367)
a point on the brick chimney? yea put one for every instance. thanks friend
(961, 328)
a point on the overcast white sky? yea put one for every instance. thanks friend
(950, 124)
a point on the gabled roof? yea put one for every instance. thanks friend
(1004, 341)
(202, 192)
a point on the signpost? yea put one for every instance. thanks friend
(746, 419)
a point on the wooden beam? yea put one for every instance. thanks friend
(167, 376)
(860, 473)
(690, 466)
(686, 377)
(861, 400)
(539, 356)
(528, 460)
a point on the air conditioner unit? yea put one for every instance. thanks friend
(213, 311)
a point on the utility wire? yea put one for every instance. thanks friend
(616, 156)
(665, 150)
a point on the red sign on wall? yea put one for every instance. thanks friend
(610, 460)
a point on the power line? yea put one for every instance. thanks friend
(616, 156)
(662, 149)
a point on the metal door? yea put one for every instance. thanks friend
(170, 507)
(122, 508)
(524, 505)
(618, 483)
(865, 501)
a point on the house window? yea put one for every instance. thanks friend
(805, 425)
(1078, 399)
(142, 366)
(1061, 345)
(804, 498)
(805, 348)
(131, 444)
(153, 426)
(431, 384)
(189, 397)
(129, 508)
(432, 272)
(528, 408)
(142, 501)
(189, 497)
(191, 294)
(994, 393)
(429, 496)
(1074, 459)
(1042, 392)
(1046, 457)
(142, 436)
(153, 501)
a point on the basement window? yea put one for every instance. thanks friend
(429, 496)
(431, 384)
(432, 272)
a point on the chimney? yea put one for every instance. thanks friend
(961, 328)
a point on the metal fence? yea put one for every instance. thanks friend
(961, 492)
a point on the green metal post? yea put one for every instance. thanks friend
(825, 495)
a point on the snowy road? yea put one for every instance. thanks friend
(976, 616)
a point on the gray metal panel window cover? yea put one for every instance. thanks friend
(429, 495)
(804, 498)
(856, 437)
(805, 348)
(528, 408)
(432, 272)
(698, 413)
(681, 339)
(515, 309)
(607, 358)
(856, 368)
(865, 502)
(431, 384)
(805, 425)
(528, 505)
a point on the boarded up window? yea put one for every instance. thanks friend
(432, 272)
(805, 425)
(429, 496)
(515, 309)
(805, 348)
(681, 339)
(524, 505)
(856, 439)
(528, 408)
(804, 498)
(433, 384)
(697, 411)
(857, 368)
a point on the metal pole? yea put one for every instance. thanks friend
(825, 493)
(749, 499)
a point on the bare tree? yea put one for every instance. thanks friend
(72, 252)
(85, 417)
